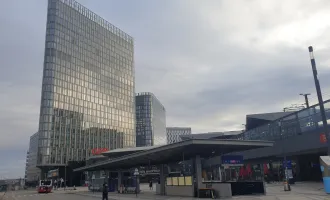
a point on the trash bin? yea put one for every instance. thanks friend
(325, 169)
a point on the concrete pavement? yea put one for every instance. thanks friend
(34, 195)
(300, 191)
(304, 191)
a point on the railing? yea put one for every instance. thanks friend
(293, 124)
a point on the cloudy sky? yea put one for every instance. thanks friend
(210, 62)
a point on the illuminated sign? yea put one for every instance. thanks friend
(232, 160)
(98, 151)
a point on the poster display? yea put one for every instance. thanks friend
(188, 180)
(175, 181)
(181, 180)
(169, 181)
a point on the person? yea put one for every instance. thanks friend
(105, 192)
(150, 185)
(55, 184)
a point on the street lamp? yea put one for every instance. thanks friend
(65, 173)
(306, 99)
(319, 96)
(136, 174)
(285, 162)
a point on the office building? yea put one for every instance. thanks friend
(150, 120)
(32, 172)
(87, 99)
(173, 134)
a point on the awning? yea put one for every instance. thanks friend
(177, 152)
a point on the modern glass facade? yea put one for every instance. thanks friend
(32, 173)
(88, 92)
(293, 124)
(150, 120)
(173, 134)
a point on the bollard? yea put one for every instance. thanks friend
(287, 186)
(74, 187)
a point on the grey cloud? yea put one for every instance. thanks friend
(209, 62)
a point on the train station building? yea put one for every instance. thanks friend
(181, 167)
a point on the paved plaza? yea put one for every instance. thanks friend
(300, 191)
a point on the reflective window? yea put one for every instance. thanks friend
(84, 57)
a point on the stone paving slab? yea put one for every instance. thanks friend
(313, 191)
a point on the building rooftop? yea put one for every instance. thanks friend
(97, 19)
(209, 135)
(124, 151)
(269, 116)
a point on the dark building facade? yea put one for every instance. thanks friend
(256, 120)
(87, 98)
(150, 120)
(298, 135)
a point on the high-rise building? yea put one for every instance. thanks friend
(150, 120)
(88, 95)
(32, 172)
(173, 133)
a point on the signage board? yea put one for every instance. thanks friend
(136, 172)
(232, 160)
(98, 151)
(323, 138)
(103, 174)
(288, 173)
(288, 164)
(52, 173)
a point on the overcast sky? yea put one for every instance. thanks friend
(210, 62)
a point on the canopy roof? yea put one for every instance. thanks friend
(175, 152)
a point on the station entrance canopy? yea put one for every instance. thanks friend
(176, 152)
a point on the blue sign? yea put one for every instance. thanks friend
(288, 164)
(232, 160)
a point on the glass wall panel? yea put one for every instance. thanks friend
(294, 124)
(88, 85)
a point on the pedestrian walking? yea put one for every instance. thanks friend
(55, 184)
(150, 185)
(105, 192)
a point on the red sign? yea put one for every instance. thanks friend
(323, 138)
(98, 151)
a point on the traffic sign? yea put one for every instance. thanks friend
(93, 177)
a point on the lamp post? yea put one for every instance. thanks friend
(93, 177)
(136, 174)
(306, 99)
(319, 96)
(285, 162)
(65, 177)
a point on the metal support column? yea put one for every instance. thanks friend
(319, 96)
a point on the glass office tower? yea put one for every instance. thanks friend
(150, 120)
(87, 99)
